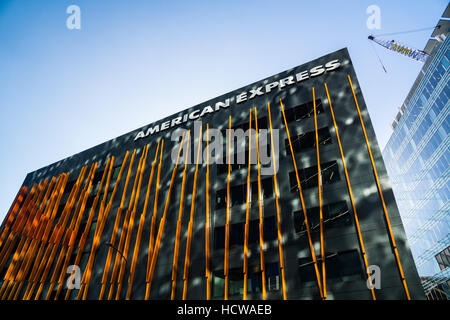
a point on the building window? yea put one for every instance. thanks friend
(239, 162)
(89, 203)
(238, 158)
(266, 187)
(262, 124)
(97, 177)
(115, 174)
(303, 111)
(273, 276)
(219, 237)
(253, 232)
(61, 207)
(237, 233)
(347, 265)
(270, 231)
(239, 193)
(221, 199)
(254, 280)
(443, 258)
(340, 266)
(69, 185)
(222, 168)
(334, 215)
(235, 283)
(80, 232)
(307, 140)
(308, 176)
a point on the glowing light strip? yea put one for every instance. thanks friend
(311, 247)
(358, 229)
(280, 238)
(380, 192)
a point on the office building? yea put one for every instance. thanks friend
(283, 216)
(417, 159)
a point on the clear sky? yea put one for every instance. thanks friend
(134, 62)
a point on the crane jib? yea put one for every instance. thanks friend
(415, 54)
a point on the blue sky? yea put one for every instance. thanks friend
(133, 62)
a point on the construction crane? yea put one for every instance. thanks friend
(415, 54)
(392, 45)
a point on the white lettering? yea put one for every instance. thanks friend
(165, 125)
(258, 91)
(176, 121)
(194, 114)
(140, 135)
(255, 92)
(206, 110)
(332, 65)
(242, 97)
(287, 81)
(152, 130)
(317, 71)
(271, 86)
(225, 104)
(302, 76)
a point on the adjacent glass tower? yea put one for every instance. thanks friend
(417, 158)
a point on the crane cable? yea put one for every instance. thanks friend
(409, 31)
(376, 53)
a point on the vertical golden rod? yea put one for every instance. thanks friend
(21, 231)
(106, 175)
(124, 229)
(178, 231)
(247, 207)
(35, 271)
(227, 224)
(12, 236)
(11, 215)
(86, 279)
(261, 218)
(116, 228)
(29, 234)
(141, 227)
(319, 183)
(207, 221)
(37, 237)
(302, 201)
(72, 232)
(57, 234)
(151, 240)
(191, 220)
(280, 238)
(380, 192)
(347, 178)
(130, 228)
(161, 228)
